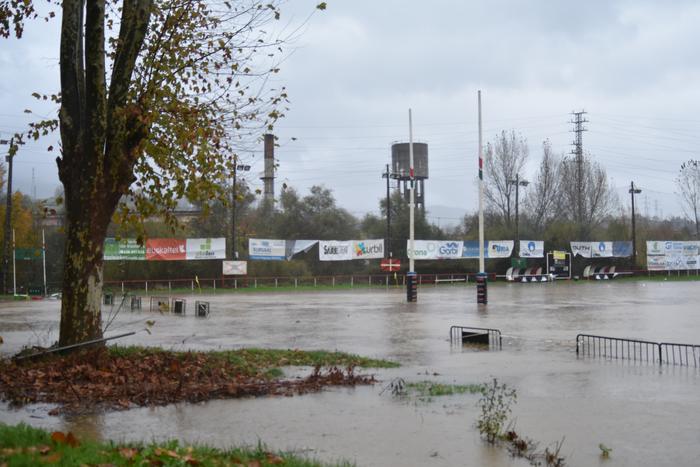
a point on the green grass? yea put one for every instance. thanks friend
(252, 360)
(23, 445)
(426, 390)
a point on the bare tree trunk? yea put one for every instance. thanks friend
(82, 281)
(100, 144)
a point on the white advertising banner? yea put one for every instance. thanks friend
(205, 248)
(500, 248)
(656, 263)
(582, 249)
(266, 249)
(368, 249)
(531, 248)
(235, 268)
(335, 250)
(656, 248)
(673, 255)
(601, 249)
(435, 249)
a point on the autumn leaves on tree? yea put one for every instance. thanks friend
(156, 96)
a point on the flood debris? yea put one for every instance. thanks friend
(97, 379)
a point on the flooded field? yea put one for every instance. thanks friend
(647, 413)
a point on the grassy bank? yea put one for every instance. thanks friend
(118, 378)
(22, 445)
(252, 361)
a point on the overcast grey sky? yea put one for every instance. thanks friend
(358, 67)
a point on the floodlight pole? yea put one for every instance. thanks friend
(482, 269)
(411, 284)
(8, 216)
(236, 168)
(387, 175)
(43, 259)
(634, 191)
(481, 278)
(518, 183)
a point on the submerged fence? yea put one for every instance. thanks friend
(638, 350)
(467, 334)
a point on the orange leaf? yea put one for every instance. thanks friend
(58, 437)
(128, 453)
(166, 452)
(52, 459)
(72, 441)
(44, 449)
(272, 459)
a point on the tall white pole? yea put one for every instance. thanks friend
(482, 269)
(412, 236)
(43, 258)
(14, 269)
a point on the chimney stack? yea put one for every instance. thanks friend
(269, 178)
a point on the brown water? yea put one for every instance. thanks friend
(645, 412)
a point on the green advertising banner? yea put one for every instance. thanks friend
(27, 253)
(126, 249)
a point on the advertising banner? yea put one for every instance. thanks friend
(345, 250)
(166, 249)
(601, 249)
(531, 248)
(206, 248)
(266, 250)
(500, 248)
(656, 248)
(126, 249)
(235, 268)
(622, 249)
(294, 247)
(27, 253)
(368, 249)
(582, 249)
(334, 250)
(656, 263)
(470, 249)
(436, 249)
(673, 255)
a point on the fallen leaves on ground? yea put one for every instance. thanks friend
(87, 380)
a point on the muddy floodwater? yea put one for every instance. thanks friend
(649, 414)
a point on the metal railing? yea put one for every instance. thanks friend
(680, 354)
(638, 350)
(156, 286)
(457, 334)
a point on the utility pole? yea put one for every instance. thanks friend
(578, 121)
(387, 175)
(8, 213)
(634, 191)
(518, 183)
(236, 168)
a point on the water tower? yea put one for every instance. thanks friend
(400, 169)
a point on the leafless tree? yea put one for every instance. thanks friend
(543, 201)
(505, 159)
(596, 199)
(688, 184)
